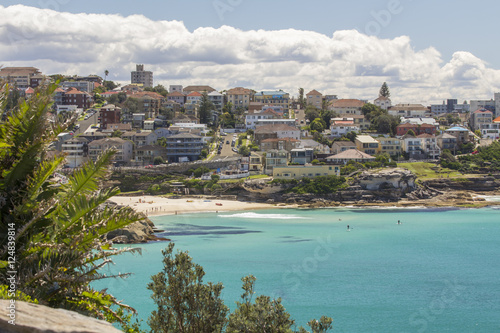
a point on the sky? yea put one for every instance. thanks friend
(427, 51)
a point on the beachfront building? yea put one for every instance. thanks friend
(447, 141)
(490, 131)
(340, 146)
(275, 158)
(301, 156)
(367, 144)
(462, 134)
(348, 156)
(76, 151)
(305, 171)
(184, 147)
(392, 146)
(145, 155)
(124, 149)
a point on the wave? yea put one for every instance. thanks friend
(250, 215)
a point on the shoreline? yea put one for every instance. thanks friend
(158, 206)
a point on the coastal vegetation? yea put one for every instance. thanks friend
(53, 227)
(186, 304)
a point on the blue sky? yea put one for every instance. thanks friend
(426, 50)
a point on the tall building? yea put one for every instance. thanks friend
(22, 77)
(142, 77)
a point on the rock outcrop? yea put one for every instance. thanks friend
(34, 318)
(138, 232)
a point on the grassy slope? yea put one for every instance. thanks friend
(425, 171)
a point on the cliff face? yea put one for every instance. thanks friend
(476, 184)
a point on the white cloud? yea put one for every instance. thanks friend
(349, 63)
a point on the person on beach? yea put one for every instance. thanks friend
(348, 227)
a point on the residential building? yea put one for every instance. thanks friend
(447, 141)
(273, 98)
(340, 146)
(140, 138)
(150, 103)
(123, 149)
(490, 131)
(497, 105)
(131, 88)
(21, 77)
(463, 135)
(409, 110)
(255, 163)
(76, 150)
(193, 98)
(217, 100)
(367, 144)
(350, 155)
(177, 97)
(480, 117)
(175, 87)
(301, 155)
(275, 158)
(359, 120)
(418, 129)
(240, 97)
(142, 77)
(252, 117)
(146, 155)
(305, 171)
(483, 104)
(430, 146)
(82, 99)
(439, 109)
(109, 114)
(279, 144)
(383, 102)
(413, 147)
(392, 146)
(199, 89)
(276, 121)
(275, 131)
(184, 147)
(314, 98)
(347, 106)
(342, 126)
(86, 86)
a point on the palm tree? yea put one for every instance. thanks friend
(52, 227)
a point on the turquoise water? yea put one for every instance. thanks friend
(438, 271)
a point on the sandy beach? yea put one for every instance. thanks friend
(153, 205)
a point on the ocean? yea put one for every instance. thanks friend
(436, 271)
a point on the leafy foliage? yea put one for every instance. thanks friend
(320, 185)
(384, 90)
(186, 304)
(58, 226)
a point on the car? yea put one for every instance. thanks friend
(227, 142)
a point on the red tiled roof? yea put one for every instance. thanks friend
(347, 103)
(238, 91)
(195, 93)
(176, 94)
(314, 92)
